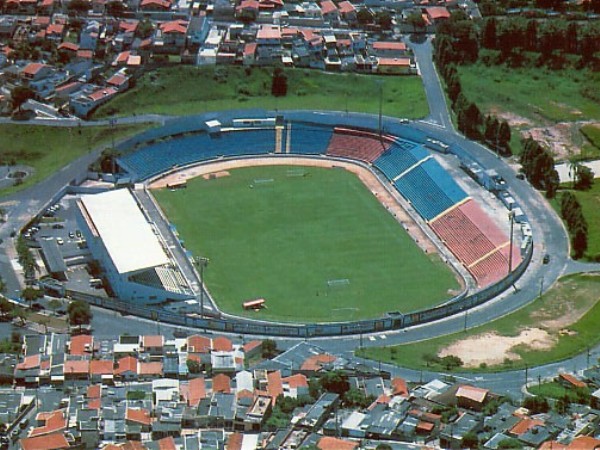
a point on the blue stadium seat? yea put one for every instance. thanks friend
(309, 139)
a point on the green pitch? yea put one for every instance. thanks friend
(315, 243)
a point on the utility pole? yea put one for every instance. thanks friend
(202, 262)
(380, 83)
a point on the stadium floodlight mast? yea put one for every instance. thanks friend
(511, 218)
(201, 262)
(380, 84)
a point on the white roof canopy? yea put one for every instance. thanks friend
(127, 236)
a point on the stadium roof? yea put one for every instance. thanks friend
(127, 236)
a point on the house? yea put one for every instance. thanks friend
(88, 99)
(140, 417)
(55, 441)
(119, 81)
(35, 72)
(55, 32)
(570, 381)
(247, 10)
(150, 370)
(329, 11)
(437, 14)
(101, 371)
(332, 443)
(395, 66)
(153, 345)
(347, 11)
(471, 397)
(172, 35)
(221, 383)
(81, 345)
(76, 369)
(49, 423)
(389, 49)
(155, 5)
(126, 369)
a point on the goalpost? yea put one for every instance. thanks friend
(336, 285)
(261, 182)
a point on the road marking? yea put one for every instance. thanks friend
(383, 336)
(371, 338)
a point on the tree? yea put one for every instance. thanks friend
(54, 304)
(450, 362)
(552, 182)
(470, 440)
(504, 137)
(584, 178)
(416, 20)
(30, 294)
(115, 8)
(193, 366)
(335, 381)
(5, 307)
(383, 447)
(355, 398)
(44, 321)
(279, 83)
(78, 7)
(269, 348)
(536, 405)
(510, 443)
(579, 243)
(384, 20)
(19, 95)
(364, 16)
(79, 313)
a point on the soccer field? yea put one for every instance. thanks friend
(314, 242)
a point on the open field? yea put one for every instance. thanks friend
(591, 132)
(189, 90)
(48, 149)
(285, 239)
(534, 94)
(559, 325)
(549, 106)
(590, 205)
(555, 390)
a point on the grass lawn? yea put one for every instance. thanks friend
(571, 296)
(48, 149)
(591, 132)
(590, 204)
(534, 93)
(187, 90)
(555, 390)
(284, 240)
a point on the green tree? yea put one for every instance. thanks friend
(509, 443)
(269, 348)
(335, 381)
(450, 362)
(384, 20)
(470, 440)
(54, 304)
(78, 7)
(279, 84)
(19, 95)
(536, 405)
(416, 20)
(579, 242)
(364, 16)
(355, 398)
(193, 366)
(383, 447)
(79, 313)
(584, 178)
(115, 8)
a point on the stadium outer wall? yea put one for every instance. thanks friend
(240, 325)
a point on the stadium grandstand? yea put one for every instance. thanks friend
(131, 256)
(460, 223)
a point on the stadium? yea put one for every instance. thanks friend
(424, 230)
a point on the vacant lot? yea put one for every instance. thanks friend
(48, 149)
(188, 90)
(314, 242)
(550, 106)
(559, 325)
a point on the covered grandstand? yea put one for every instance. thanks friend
(407, 163)
(130, 254)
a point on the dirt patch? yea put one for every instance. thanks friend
(514, 120)
(493, 349)
(558, 138)
(215, 175)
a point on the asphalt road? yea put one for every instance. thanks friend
(549, 234)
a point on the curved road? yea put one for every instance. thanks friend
(549, 235)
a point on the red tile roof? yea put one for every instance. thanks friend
(153, 341)
(94, 391)
(81, 345)
(33, 68)
(151, 368)
(72, 47)
(221, 383)
(140, 416)
(296, 381)
(552, 445)
(53, 422)
(76, 367)
(399, 387)
(222, 344)
(584, 443)
(425, 426)
(167, 443)
(404, 62)
(384, 45)
(249, 49)
(55, 28)
(199, 344)
(118, 79)
(316, 362)
(346, 7)
(127, 364)
(570, 379)
(165, 4)
(268, 32)
(128, 26)
(102, 93)
(85, 54)
(55, 441)
(328, 7)
(29, 362)
(175, 26)
(129, 445)
(248, 4)
(194, 391)
(101, 367)
(437, 12)
(524, 425)
(472, 393)
(331, 443)
(234, 442)
(274, 385)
